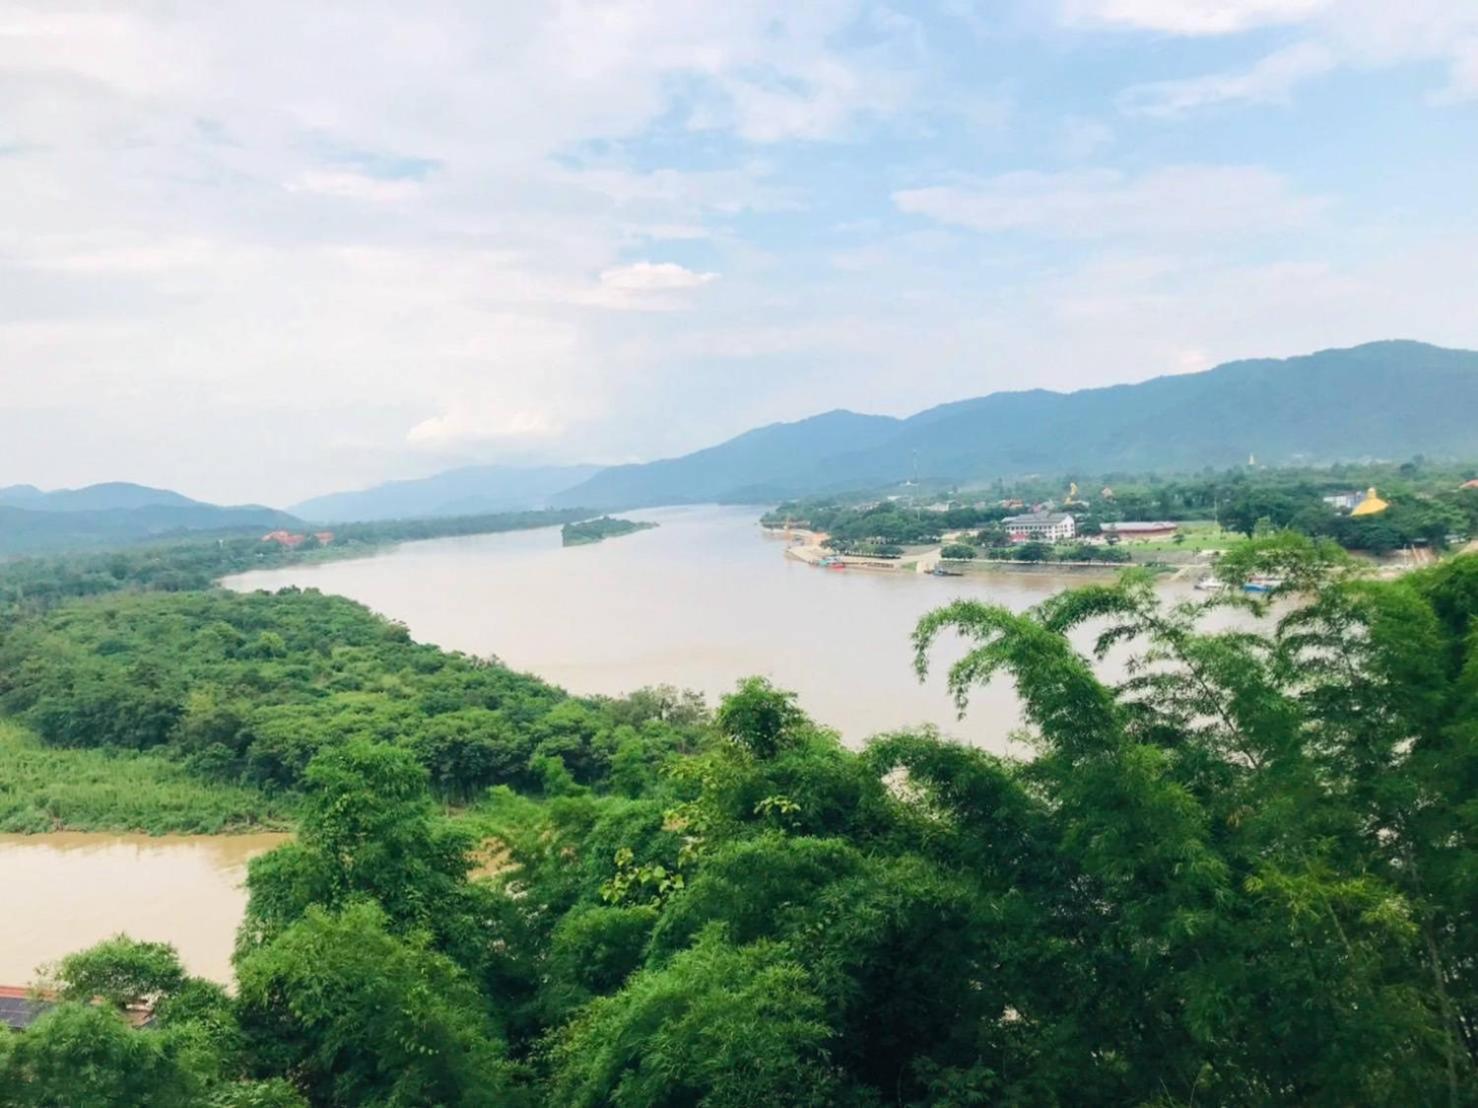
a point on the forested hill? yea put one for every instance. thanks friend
(115, 513)
(471, 490)
(108, 496)
(1384, 400)
(759, 465)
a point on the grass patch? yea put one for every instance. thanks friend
(1200, 535)
(49, 789)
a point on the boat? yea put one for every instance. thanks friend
(1211, 584)
(940, 571)
(1262, 584)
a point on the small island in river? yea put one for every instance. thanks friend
(596, 530)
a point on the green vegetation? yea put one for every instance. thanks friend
(1058, 552)
(850, 523)
(246, 688)
(597, 530)
(1191, 537)
(34, 584)
(1429, 507)
(32, 521)
(1244, 875)
(49, 789)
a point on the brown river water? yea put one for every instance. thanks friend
(699, 602)
(67, 890)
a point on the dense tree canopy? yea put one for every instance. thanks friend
(248, 688)
(1243, 874)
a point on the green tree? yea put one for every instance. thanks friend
(758, 716)
(362, 1016)
(368, 830)
(122, 971)
(717, 1027)
(88, 1057)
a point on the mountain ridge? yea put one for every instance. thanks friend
(466, 490)
(1392, 398)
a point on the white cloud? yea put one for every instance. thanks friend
(1179, 200)
(472, 425)
(238, 258)
(1270, 81)
(1464, 82)
(120, 255)
(1368, 34)
(1191, 17)
(654, 277)
(198, 201)
(354, 186)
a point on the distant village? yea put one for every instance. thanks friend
(291, 540)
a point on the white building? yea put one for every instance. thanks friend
(1040, 527)
(1345, 501)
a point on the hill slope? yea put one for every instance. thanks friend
(1381, 400)
(472, 490)
(758, 465)
(109, 496)
(115, 514)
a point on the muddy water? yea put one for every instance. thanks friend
(65, 891)
(699, 602)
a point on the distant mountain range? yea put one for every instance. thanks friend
(1383, 400)
(113, 514)
(1386, 400)
(472, 490)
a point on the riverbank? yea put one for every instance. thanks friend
(980, 566)
(587, 532)
(807, 546)
(49, 789)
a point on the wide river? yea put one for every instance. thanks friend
(699, 602)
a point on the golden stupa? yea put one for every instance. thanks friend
(1372, 505)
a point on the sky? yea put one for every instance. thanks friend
(256, 251)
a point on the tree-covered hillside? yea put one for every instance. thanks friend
(757, 466)
(470, 490)
(105, 497)
(115, 514)
(1385, 400)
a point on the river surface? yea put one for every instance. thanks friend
(65, 891)
(699, 602)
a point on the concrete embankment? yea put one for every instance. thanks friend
(806, 546)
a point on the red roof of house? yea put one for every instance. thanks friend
(19, 1008)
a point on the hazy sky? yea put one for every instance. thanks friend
(260, 250)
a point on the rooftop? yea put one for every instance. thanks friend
(1038, 517)
(19, 1008)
